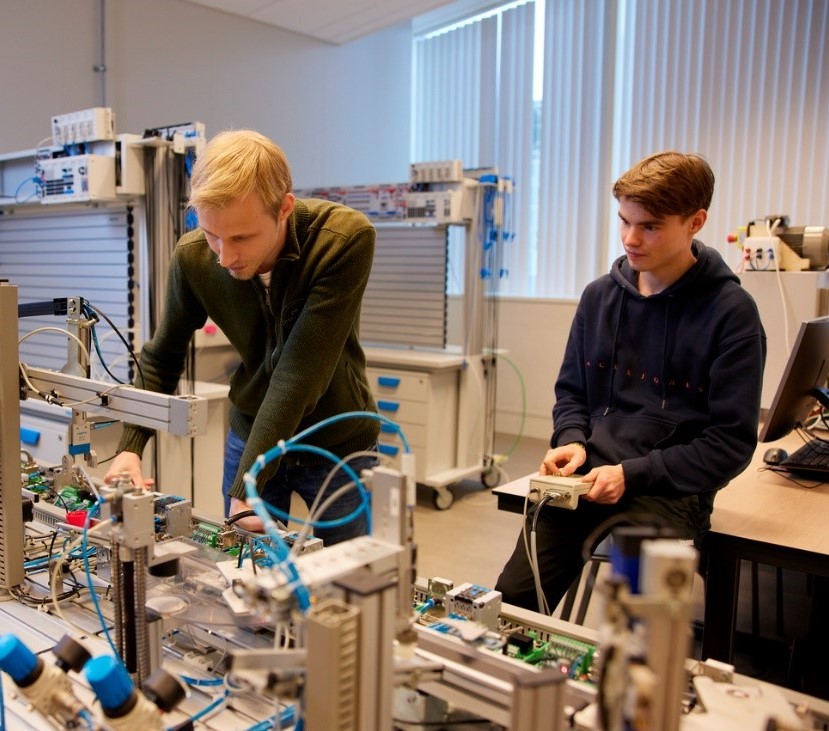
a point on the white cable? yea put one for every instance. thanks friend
(318, 509)
(308, 524)
(532, 558)
(91, 484)
(524, 534)
(57, 570)
(43, 151)
(55, 399)
(99, 371)
(539, 592)
(28, 382)
(771, 232)
(97, 396)
(68, 334)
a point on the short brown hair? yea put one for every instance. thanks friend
(236, 163)
(668, 183)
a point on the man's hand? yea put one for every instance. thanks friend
(252, 523)
(128, 463)
(608, 484)
(563, 461)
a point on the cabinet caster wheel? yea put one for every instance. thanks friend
(491, 477)
(442, 498)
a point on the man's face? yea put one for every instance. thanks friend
(245, 236)
(658, 245)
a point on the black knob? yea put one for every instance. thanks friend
(164, 690)
(70, 654)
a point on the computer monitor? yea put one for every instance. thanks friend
(805, 371)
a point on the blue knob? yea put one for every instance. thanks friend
(17, 660)
(110, 681)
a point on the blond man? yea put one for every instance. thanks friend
(284, 279)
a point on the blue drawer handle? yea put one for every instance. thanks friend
(388, 449)
(388, 405)
(388, 381)
(29, 436)
(388, 429)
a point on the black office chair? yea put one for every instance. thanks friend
(599, 556)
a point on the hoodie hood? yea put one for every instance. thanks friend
(708, 272)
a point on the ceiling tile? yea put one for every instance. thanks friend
(333, 21)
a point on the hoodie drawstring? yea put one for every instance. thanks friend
(665, 331)
(613, 356)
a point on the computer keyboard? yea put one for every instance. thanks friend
(812, 459)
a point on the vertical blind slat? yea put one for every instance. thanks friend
(744, 83)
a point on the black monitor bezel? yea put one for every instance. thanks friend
(806, 369)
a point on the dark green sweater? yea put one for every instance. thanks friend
(301, 359)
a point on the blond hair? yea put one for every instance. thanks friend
(668, 183)
(235, 164)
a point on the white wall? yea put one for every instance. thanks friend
(340, 112)
(532, 334)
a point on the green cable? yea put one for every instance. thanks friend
(520, 434)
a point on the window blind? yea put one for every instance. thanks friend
(744, 83)
(65, 251)
(473, 101)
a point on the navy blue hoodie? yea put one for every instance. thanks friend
(667, 385)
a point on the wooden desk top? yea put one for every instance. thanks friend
(758, 505)
(767, 506)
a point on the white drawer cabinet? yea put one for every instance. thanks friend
(424, 405)
(437, 399)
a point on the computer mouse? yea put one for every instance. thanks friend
(775, 455)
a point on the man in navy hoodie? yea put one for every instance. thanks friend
(658, 397)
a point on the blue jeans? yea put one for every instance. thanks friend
(305, 481)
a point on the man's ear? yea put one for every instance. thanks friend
(287, 206)
(698, 220)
